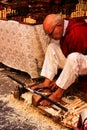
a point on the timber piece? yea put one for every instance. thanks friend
(50, 112)
(44, 112)
(16, 94)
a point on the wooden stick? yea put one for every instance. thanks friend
(80, 109)
(74, 102)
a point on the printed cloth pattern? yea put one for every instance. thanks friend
(22, 46)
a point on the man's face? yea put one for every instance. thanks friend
(57, 31)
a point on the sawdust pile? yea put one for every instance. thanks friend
(25, 112)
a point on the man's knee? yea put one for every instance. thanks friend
(73, 56)
(51, 46)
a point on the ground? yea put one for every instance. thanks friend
(17, 114)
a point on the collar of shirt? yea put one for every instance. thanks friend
(65, 26)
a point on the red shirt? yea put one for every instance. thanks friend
(75, 40)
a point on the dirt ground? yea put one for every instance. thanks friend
(17, 114)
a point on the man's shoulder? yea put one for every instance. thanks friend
(76, 23)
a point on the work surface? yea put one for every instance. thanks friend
(20, 115)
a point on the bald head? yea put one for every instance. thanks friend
(51, 21)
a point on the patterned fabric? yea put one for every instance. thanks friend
(22, 47)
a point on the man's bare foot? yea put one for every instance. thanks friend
(56, 96)
(45, 84)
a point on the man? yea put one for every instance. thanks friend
(70, 55)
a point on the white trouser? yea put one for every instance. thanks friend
(54, 59)
(84, 115)
(74, 65)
